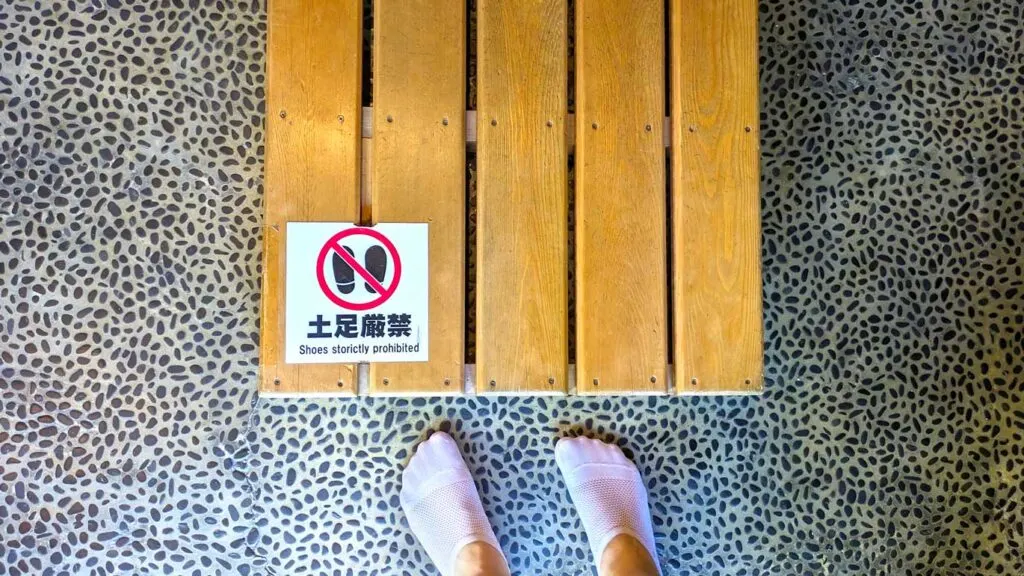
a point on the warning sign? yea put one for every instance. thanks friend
(355, 293)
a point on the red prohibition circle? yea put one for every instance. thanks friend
(332, 244)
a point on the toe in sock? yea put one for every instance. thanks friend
(441, 502)
(608, 492)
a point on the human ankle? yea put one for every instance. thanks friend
(626, 556)
(480, 559)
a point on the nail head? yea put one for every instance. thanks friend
(595, 381)
(693, 381)
(594, 125)
(494, 121)
(748, 128)
(341, 384)
(654, 378)
(390, 118)
(550, 123)
(648, 127)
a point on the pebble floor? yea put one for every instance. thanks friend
(888, 442)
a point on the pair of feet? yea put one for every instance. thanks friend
(445, 513)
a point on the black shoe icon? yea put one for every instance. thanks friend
(344, 275)
(376, 260)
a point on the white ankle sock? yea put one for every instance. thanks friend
(608, 492)
(442, 504)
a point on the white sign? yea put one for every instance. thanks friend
(355, 293)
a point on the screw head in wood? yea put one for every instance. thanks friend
(385, 381)
(494, 121)
(493, 383)
(444, 121)
(654, 379)
(594, 125)
(551, 381)
(693, 381)
(283, 114)
(390, 118)
(341, 384)
(447, 382)
(341, 119)
(277, 381)
(648, 127)
(747, 129)
(693, 128)
(595, 381)
(550, 123)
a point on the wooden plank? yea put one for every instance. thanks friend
(419, 169)
(621, 282)
(522, 197)
(314, 60)
(716, 203)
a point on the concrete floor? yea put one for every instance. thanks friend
(888, 442)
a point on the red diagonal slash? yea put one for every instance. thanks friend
(333, 245)
(359, 268)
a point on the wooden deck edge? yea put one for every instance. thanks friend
(469, 388)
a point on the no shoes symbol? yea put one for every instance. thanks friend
(358, 269)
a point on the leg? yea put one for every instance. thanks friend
(445, 512)
(611, 500)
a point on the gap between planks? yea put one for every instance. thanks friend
(570, 127)
(469, 388)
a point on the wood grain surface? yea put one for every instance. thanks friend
(621, 283)
(716, 251)
(522, 197)
(314, 56)
(419, 169)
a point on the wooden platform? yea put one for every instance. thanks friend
(666, 204)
